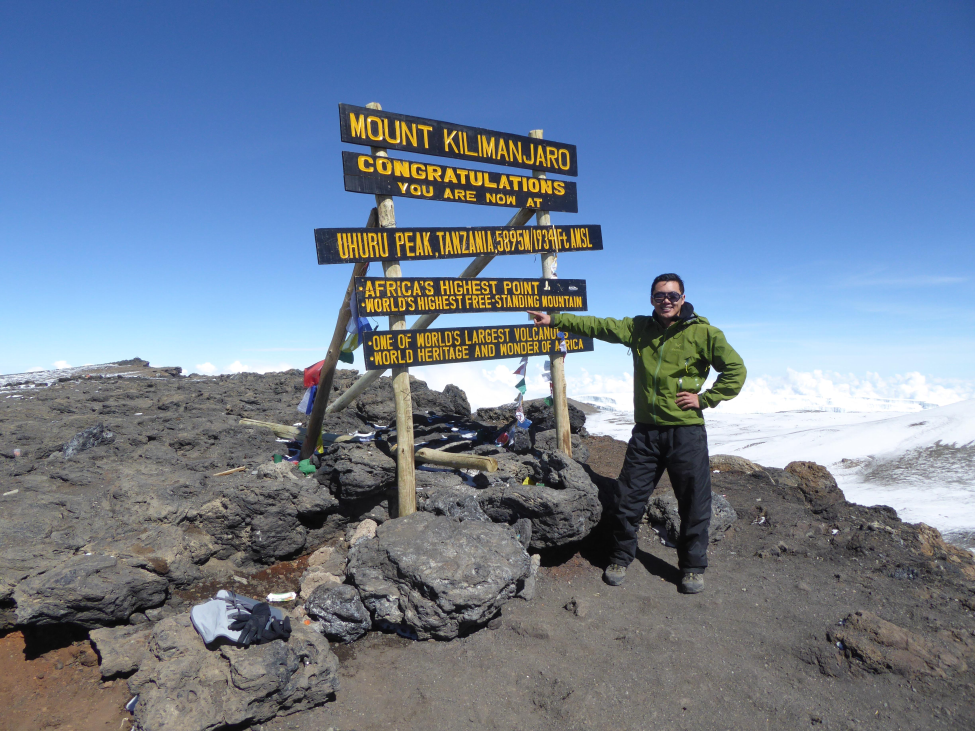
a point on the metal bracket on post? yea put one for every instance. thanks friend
(405, 466)
(560, 404)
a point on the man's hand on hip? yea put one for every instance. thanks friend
(540, 318)
(688, 400)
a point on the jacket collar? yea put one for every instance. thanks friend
(687, 314)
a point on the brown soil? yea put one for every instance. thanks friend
(57, 689)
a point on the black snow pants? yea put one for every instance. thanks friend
(683, 452)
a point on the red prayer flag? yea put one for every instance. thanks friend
(313, 373)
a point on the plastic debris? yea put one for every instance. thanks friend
(287, 596)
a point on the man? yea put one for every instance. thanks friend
(673, 352)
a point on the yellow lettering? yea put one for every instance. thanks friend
(479, 179)
(379, 128)
(448, 140)
(448, 176)
(559, 187)
(402, 186)
(532, 182)
(447, 194)
(488, 183)
(551, 155)
(433, 172)
(418, 171)
(463, 176)
(466, 149)
(357, 125)
(564, 166)
(401, 168)
(546, 186)
(365, 164)
(514, 153)
(486, 146)
(384, 166)
(425, 128)
(502, 152)
(409, 136)
(386, 132)
(503, 184)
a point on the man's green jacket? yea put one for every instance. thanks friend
(665, 361)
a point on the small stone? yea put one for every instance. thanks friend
(579, 607)
(365, 529)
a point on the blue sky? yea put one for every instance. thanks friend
(809, 168)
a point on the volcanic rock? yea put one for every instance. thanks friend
(546, 441)
(353, 471)
(438, 576)
(662, 510)
(183, 686)
(340, 613)
(817, 484)
(89, 591)
(91, 437)
(562, 510)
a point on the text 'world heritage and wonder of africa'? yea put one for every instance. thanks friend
(445, 295)
(398, 348)
(341, 245)
(376, 128)
(411, 179)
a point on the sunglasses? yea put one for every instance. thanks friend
(672, 297)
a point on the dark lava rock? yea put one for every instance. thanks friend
(340, 613)
(519, 442)
(562, 510)
(818, 486)
(120, 649)
(354, 471)
(541, 415)
(89, 591)
(437, 576)
(183, 686)
(94, 436)
(376, 405)
(545, 441)
(455, 504)
(662, 510)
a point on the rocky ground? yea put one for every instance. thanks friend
(817, 613)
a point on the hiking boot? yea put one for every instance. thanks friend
(614, 574)
(691, 583)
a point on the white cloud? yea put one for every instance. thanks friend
(830, 391)
(35, 369)
(61, 364)
(209, 369)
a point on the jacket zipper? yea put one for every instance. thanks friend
(656, 375)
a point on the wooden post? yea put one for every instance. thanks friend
(560, 405)
(332, 357)
(457, 461)
(422, 323)
(405, 467)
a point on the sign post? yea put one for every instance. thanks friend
(405, 467)
(560, 405)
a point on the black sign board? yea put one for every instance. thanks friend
(411, 179)
(341, 245)
(448, 295)
(397, 348)
(361, 126)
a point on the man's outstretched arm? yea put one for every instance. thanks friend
(603, 328)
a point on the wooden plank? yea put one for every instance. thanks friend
(457, 461)
(345, 245)
(391, 349)
(327, 376)
(378, 175)
(452, 295)
(405, 466)
(362, 126)
(560, 403)
(422, 322)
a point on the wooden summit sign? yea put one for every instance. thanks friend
(411, 179)
(403, 348)
(341, 245)
(446, 295)
(362, 126)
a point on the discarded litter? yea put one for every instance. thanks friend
(288, 596)
(130, 706)
(11, 492)
(17, 453)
